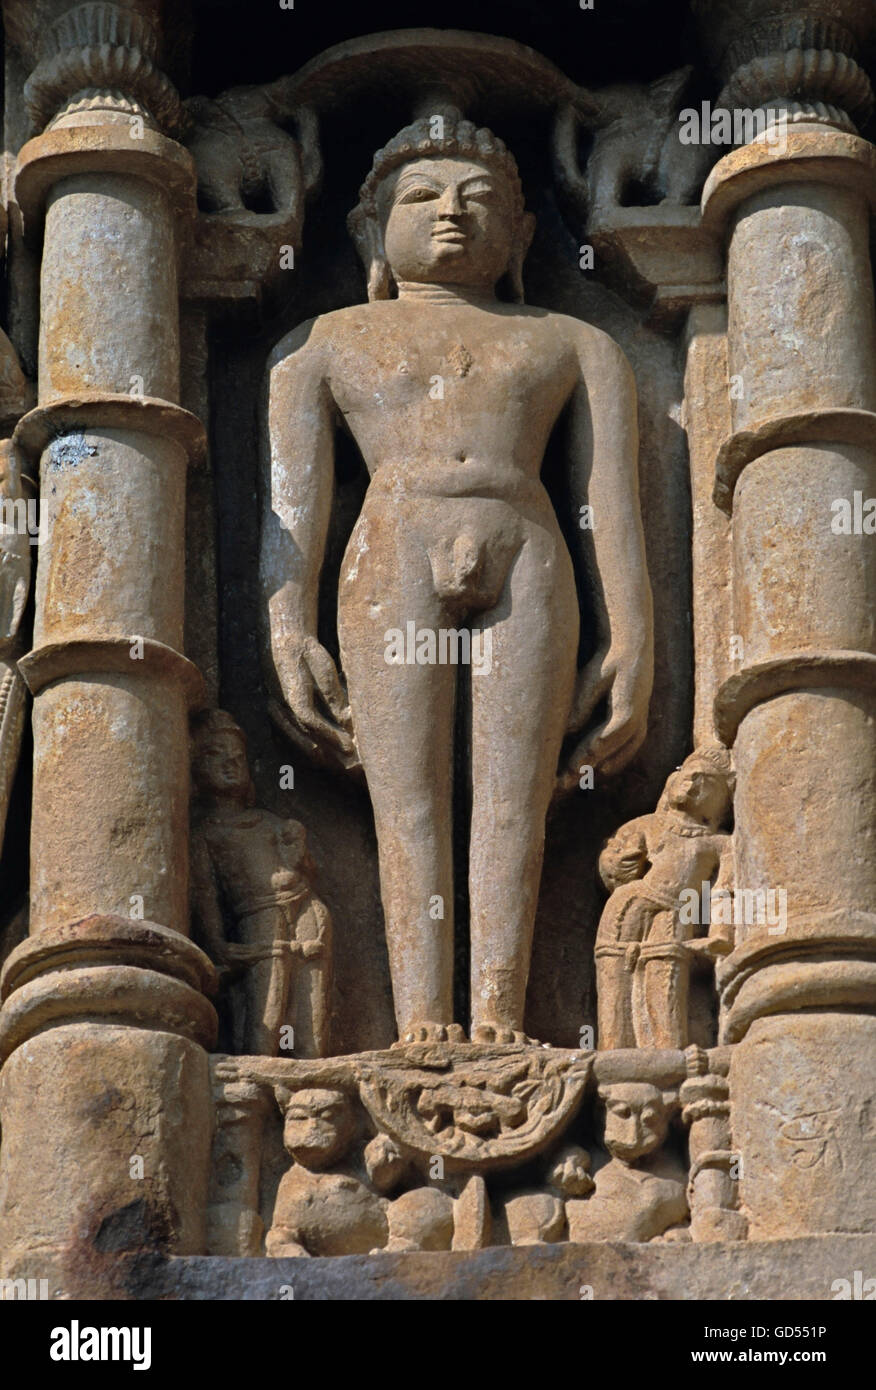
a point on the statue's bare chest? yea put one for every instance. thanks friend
(468, 365)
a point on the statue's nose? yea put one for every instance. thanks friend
(450, 203)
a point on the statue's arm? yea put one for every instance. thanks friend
(604, 446)
(297, 493)
(206, 909)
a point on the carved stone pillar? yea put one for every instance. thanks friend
(798, 994)
(712, 1182)
(104, 1015)
(234, 1226)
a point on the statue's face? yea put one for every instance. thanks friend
(447, 221)
(221, 766)
(635, 1120)
(698, 791)
(317, 1127)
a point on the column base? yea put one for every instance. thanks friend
(803, 1099)
(106, 1145)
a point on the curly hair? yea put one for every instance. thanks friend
(460, 138)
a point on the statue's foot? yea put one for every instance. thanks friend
(500, 1033)
(427, 1032)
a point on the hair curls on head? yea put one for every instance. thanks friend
(712, 758)
(460, 138)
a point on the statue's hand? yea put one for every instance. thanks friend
(317, 715)
(237, 953)
(625, 680)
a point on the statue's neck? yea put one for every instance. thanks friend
(446, 294)
(226, 805)
(684, 822)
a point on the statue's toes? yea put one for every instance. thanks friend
(499, 1033)
(433, 1033)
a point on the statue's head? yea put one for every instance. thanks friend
(703, 785)
(445, 211)
(318, 1125)
(636, 1119)
(219, 766)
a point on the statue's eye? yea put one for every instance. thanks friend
(420, 194)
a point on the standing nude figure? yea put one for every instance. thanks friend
(451, 396)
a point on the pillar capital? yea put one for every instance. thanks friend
(92, 61)
(797, 57)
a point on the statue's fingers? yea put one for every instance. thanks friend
(308, 731)
(619, 748)
(594, 686)
(325, 673)
(329, 733)
(606, 739)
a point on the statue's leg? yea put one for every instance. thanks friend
(614, 1009)
(520, 707)
(660, 991)
(619, 925)
(403, 722)
(263, 989)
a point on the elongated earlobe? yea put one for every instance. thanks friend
(522, 244)
(368, 240)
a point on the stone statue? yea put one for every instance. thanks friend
(639, 1193)
(254, 866)
(539, 1217)
(451, 395)
(637, 155)
(244, 154)
(317, 1212)
(346, 1212)
(644, 942)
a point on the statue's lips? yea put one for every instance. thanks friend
(450, 236)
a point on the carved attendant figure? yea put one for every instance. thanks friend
(451, 396)
(256, 866)
(639, 1193)
(643, 945)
